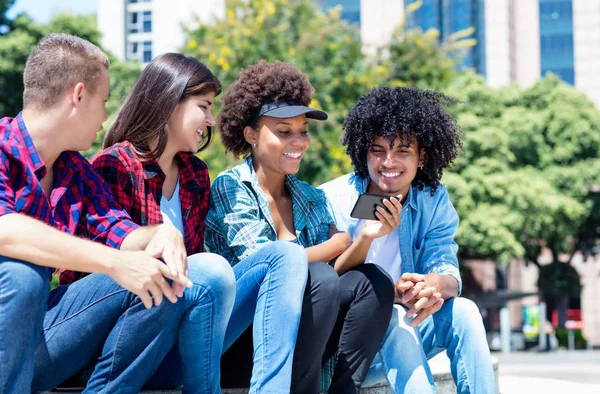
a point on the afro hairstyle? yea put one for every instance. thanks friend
(259, 83)
(408, 113)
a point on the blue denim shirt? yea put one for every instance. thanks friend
(239, 218)
(427, 229)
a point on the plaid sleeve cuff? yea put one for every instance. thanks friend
(119, 232)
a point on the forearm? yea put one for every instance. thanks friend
(30, 240)
(323, 252)
(449, 287)
(139, 238)
(354, 255)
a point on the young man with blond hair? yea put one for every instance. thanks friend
(116, 316)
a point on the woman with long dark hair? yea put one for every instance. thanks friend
(150, 165)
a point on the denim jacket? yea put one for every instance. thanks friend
(427, 229)
(239, 218)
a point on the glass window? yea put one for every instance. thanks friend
(147, 55)
(147, 21)
(556, 39)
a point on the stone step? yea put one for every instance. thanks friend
(440, 367)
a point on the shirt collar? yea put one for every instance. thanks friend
(248, 175)
(187, 177)
(38, 163)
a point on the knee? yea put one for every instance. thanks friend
(326, 281)
(466, 316)
(24, 284)
(372, 279)
(290, 257)
(212, 272)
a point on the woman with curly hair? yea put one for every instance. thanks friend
(260, 203)
(400, 140)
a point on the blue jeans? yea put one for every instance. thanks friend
(194, 361)
(457, 328)
(62, 331)
(269, 293)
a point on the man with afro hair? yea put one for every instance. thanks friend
(400, 140)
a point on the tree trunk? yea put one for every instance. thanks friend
(562, 305)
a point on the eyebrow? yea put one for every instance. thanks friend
(208, 101)
(289, 124)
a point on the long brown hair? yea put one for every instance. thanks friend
(165, 82)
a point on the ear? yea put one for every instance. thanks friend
(250, 134)
(76, 93)
(421, 157)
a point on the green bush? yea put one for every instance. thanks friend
(562, 335)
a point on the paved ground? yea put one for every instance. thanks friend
(555, 372)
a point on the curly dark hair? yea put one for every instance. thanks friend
(257, 84)
(404, 112)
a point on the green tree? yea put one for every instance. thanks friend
(5, 6)
(528, 178)
(319, 44)
(17, 44)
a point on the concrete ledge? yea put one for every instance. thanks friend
(440, 367)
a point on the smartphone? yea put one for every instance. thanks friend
(366, 204)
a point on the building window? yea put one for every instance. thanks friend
(139, 22)
(147, 55)
(147, 21)
(350, 9)
(556, 39)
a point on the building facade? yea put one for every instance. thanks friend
(142, 29)
(517, 41)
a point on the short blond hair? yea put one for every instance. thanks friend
(58, 62)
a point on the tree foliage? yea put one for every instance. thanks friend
(298, 32)
(17, 44)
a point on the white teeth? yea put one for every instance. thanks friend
(293, 155)
(390, 174)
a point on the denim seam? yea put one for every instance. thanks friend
(83, 309)
(457, 350)
(2, 351)
(265, 319)
(112, 364)
(211, 325)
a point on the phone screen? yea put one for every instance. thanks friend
(366, 204)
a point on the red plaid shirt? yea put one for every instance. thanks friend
(80, 202)
(137, 187)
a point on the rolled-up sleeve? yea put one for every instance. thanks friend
(7, 195)
(234, 228)
(439, 248)
(107, 222)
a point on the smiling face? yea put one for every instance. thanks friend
(188, 123)
(392, 167)
(280, 143)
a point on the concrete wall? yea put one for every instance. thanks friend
(378, 19)
(586, 40)
(111, 23)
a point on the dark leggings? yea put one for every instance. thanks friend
(351, 311)
(366, 303)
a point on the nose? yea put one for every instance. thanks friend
(210, 119)
(388, 160)
(301, 141)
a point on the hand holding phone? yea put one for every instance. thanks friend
(381, 212)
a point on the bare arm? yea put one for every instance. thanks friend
(330, 249)
(27, 239)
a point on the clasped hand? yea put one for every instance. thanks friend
(421, 294)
